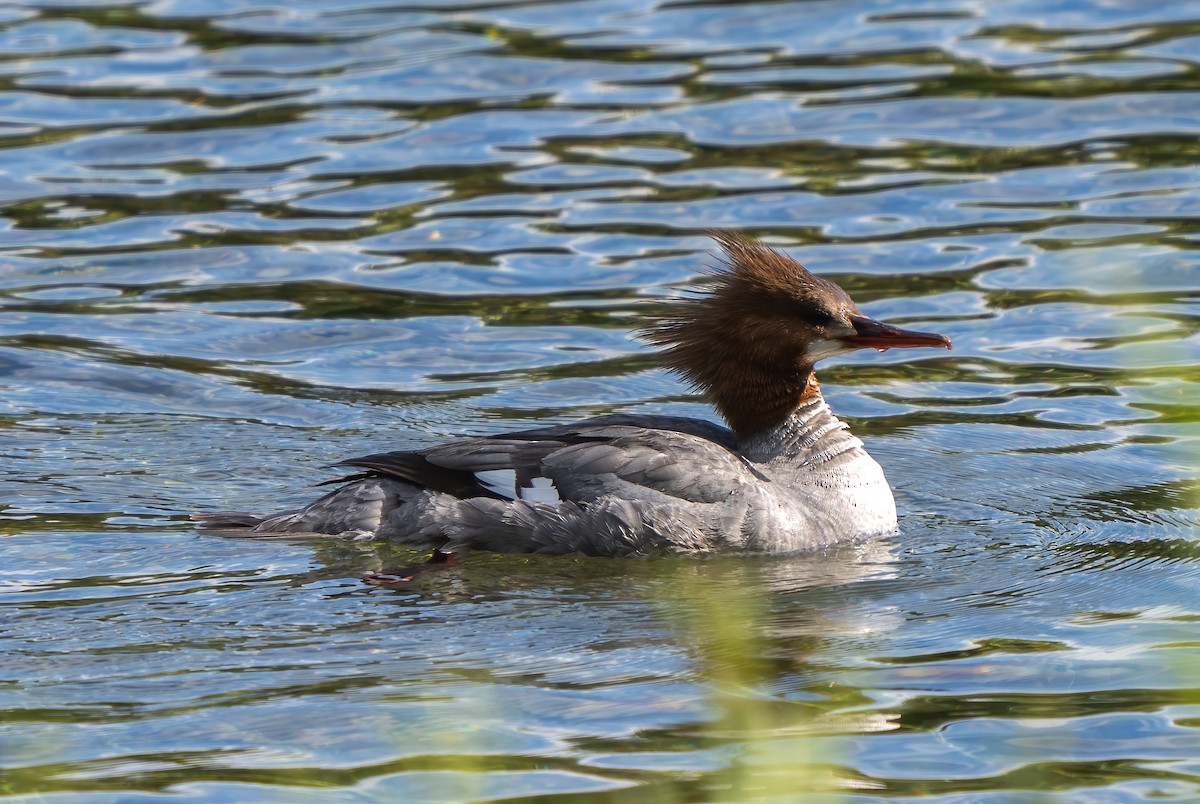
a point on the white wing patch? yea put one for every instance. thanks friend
(500, 481)
(504, 483)
(541, 489)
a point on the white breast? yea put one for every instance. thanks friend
(824, 487)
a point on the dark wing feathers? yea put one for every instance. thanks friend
(685, 458)
(454, 468)
(415, 468)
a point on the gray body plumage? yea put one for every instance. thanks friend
(613, 486)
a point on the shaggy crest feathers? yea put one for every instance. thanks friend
(742, 339)
(752, 263)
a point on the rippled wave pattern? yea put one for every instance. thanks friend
(241, 241)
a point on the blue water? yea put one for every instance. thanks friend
(242, 241)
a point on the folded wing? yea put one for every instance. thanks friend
(630, 457)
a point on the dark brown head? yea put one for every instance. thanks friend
(751, 339)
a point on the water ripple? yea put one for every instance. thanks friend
(243, 241)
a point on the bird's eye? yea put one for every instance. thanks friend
(821, 317)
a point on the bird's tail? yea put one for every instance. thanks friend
(227, 520)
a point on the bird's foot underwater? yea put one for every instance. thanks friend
(440, 559)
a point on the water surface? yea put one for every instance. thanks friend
(242, 241)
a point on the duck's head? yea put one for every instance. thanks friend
(751, 338)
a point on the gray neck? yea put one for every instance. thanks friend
(810, 437)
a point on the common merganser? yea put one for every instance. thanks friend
(786, 476)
